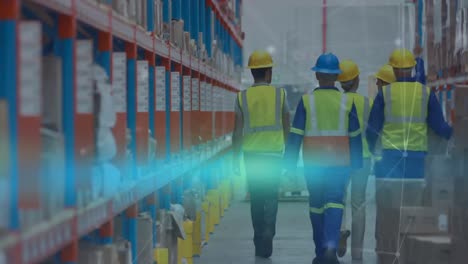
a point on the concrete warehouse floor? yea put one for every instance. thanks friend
(232, 241)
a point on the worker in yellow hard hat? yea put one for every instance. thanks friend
(349, 79)
(327, 129)
(385, 76)
(402, 113)
(261, 126)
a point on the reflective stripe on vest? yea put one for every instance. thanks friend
(313, 131)
(248, 129)
(390, 118)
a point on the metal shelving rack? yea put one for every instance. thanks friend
(60, 235)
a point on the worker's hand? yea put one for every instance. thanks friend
(418, 50)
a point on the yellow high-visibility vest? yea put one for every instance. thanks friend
(405, 126)
(363, 106)
(262, 110)
(326, 137)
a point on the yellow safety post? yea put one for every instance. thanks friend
(206, 210)
(186, 245)
(196, 237)
(221, 199)
(161, 255)
(213, 198)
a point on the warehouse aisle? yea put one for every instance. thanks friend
(232, 241)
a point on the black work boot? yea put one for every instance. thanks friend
(330, 257)
(317, 261)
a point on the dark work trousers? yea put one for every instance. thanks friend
(263, 173)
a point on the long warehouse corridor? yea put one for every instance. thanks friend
(163, 131)
(232, 241)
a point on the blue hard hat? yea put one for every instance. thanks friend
(327, 63)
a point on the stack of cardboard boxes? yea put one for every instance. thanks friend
(460, 212)
(441, 235)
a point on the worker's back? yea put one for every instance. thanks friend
(405, 125)
(262, 110)
(326, 141)
(362, 104)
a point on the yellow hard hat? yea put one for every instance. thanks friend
(402, 58)
(349, 71)
(260, 59)
(386, 74)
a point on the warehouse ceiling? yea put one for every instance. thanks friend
(365, 31)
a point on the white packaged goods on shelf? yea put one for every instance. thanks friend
(195, 94)
(187, 93)
(121, 7)
(202, 96)
(209, 98)
(131, 9)
(84, 82)
(142, 86)
(119, 81)
(175, 91)
(158, 17)
(160, 88)
(30, 50)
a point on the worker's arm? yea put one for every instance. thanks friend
(286, 118)
(376, 121)
(435, 118)
(420, 75)
(238, 130)
(355, 138)
(296, 135)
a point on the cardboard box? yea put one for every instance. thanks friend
(460, 248)
(460, 223)
(427, 250)
(52, 89)
(441, 168)
(443, 193)
(424, 220)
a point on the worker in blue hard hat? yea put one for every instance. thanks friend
(328, 130)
